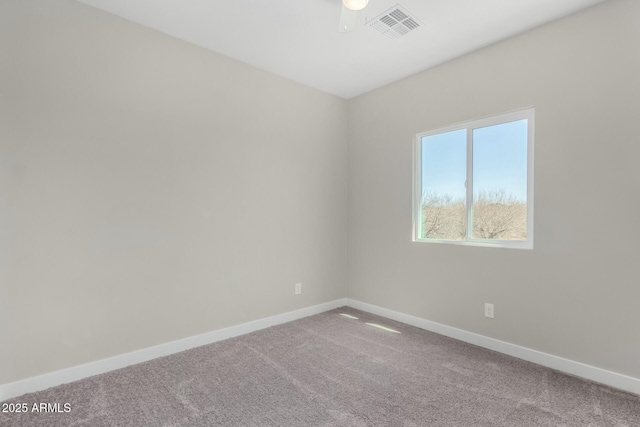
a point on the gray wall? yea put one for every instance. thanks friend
(151, 190)
(576, 294)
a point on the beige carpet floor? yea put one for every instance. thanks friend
(331, 370)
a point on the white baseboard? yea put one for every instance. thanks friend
(42, 382)
(612, 379)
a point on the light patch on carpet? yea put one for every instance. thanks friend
(384, 328)
(348, 315)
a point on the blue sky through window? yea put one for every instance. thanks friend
(499, 161)
(444, 164)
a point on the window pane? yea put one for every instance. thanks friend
(500, 181)
(443, 213)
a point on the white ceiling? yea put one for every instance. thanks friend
(298, 39)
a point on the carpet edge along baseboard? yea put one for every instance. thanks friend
(571, 367)
(63, 376)
(74, 373)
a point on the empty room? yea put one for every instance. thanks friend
(319, 213)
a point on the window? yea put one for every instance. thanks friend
(473, 183)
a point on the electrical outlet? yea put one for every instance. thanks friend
(298, 288)
(488, 310)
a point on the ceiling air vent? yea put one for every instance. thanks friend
(395, 22)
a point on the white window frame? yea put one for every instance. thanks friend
(529, 115)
